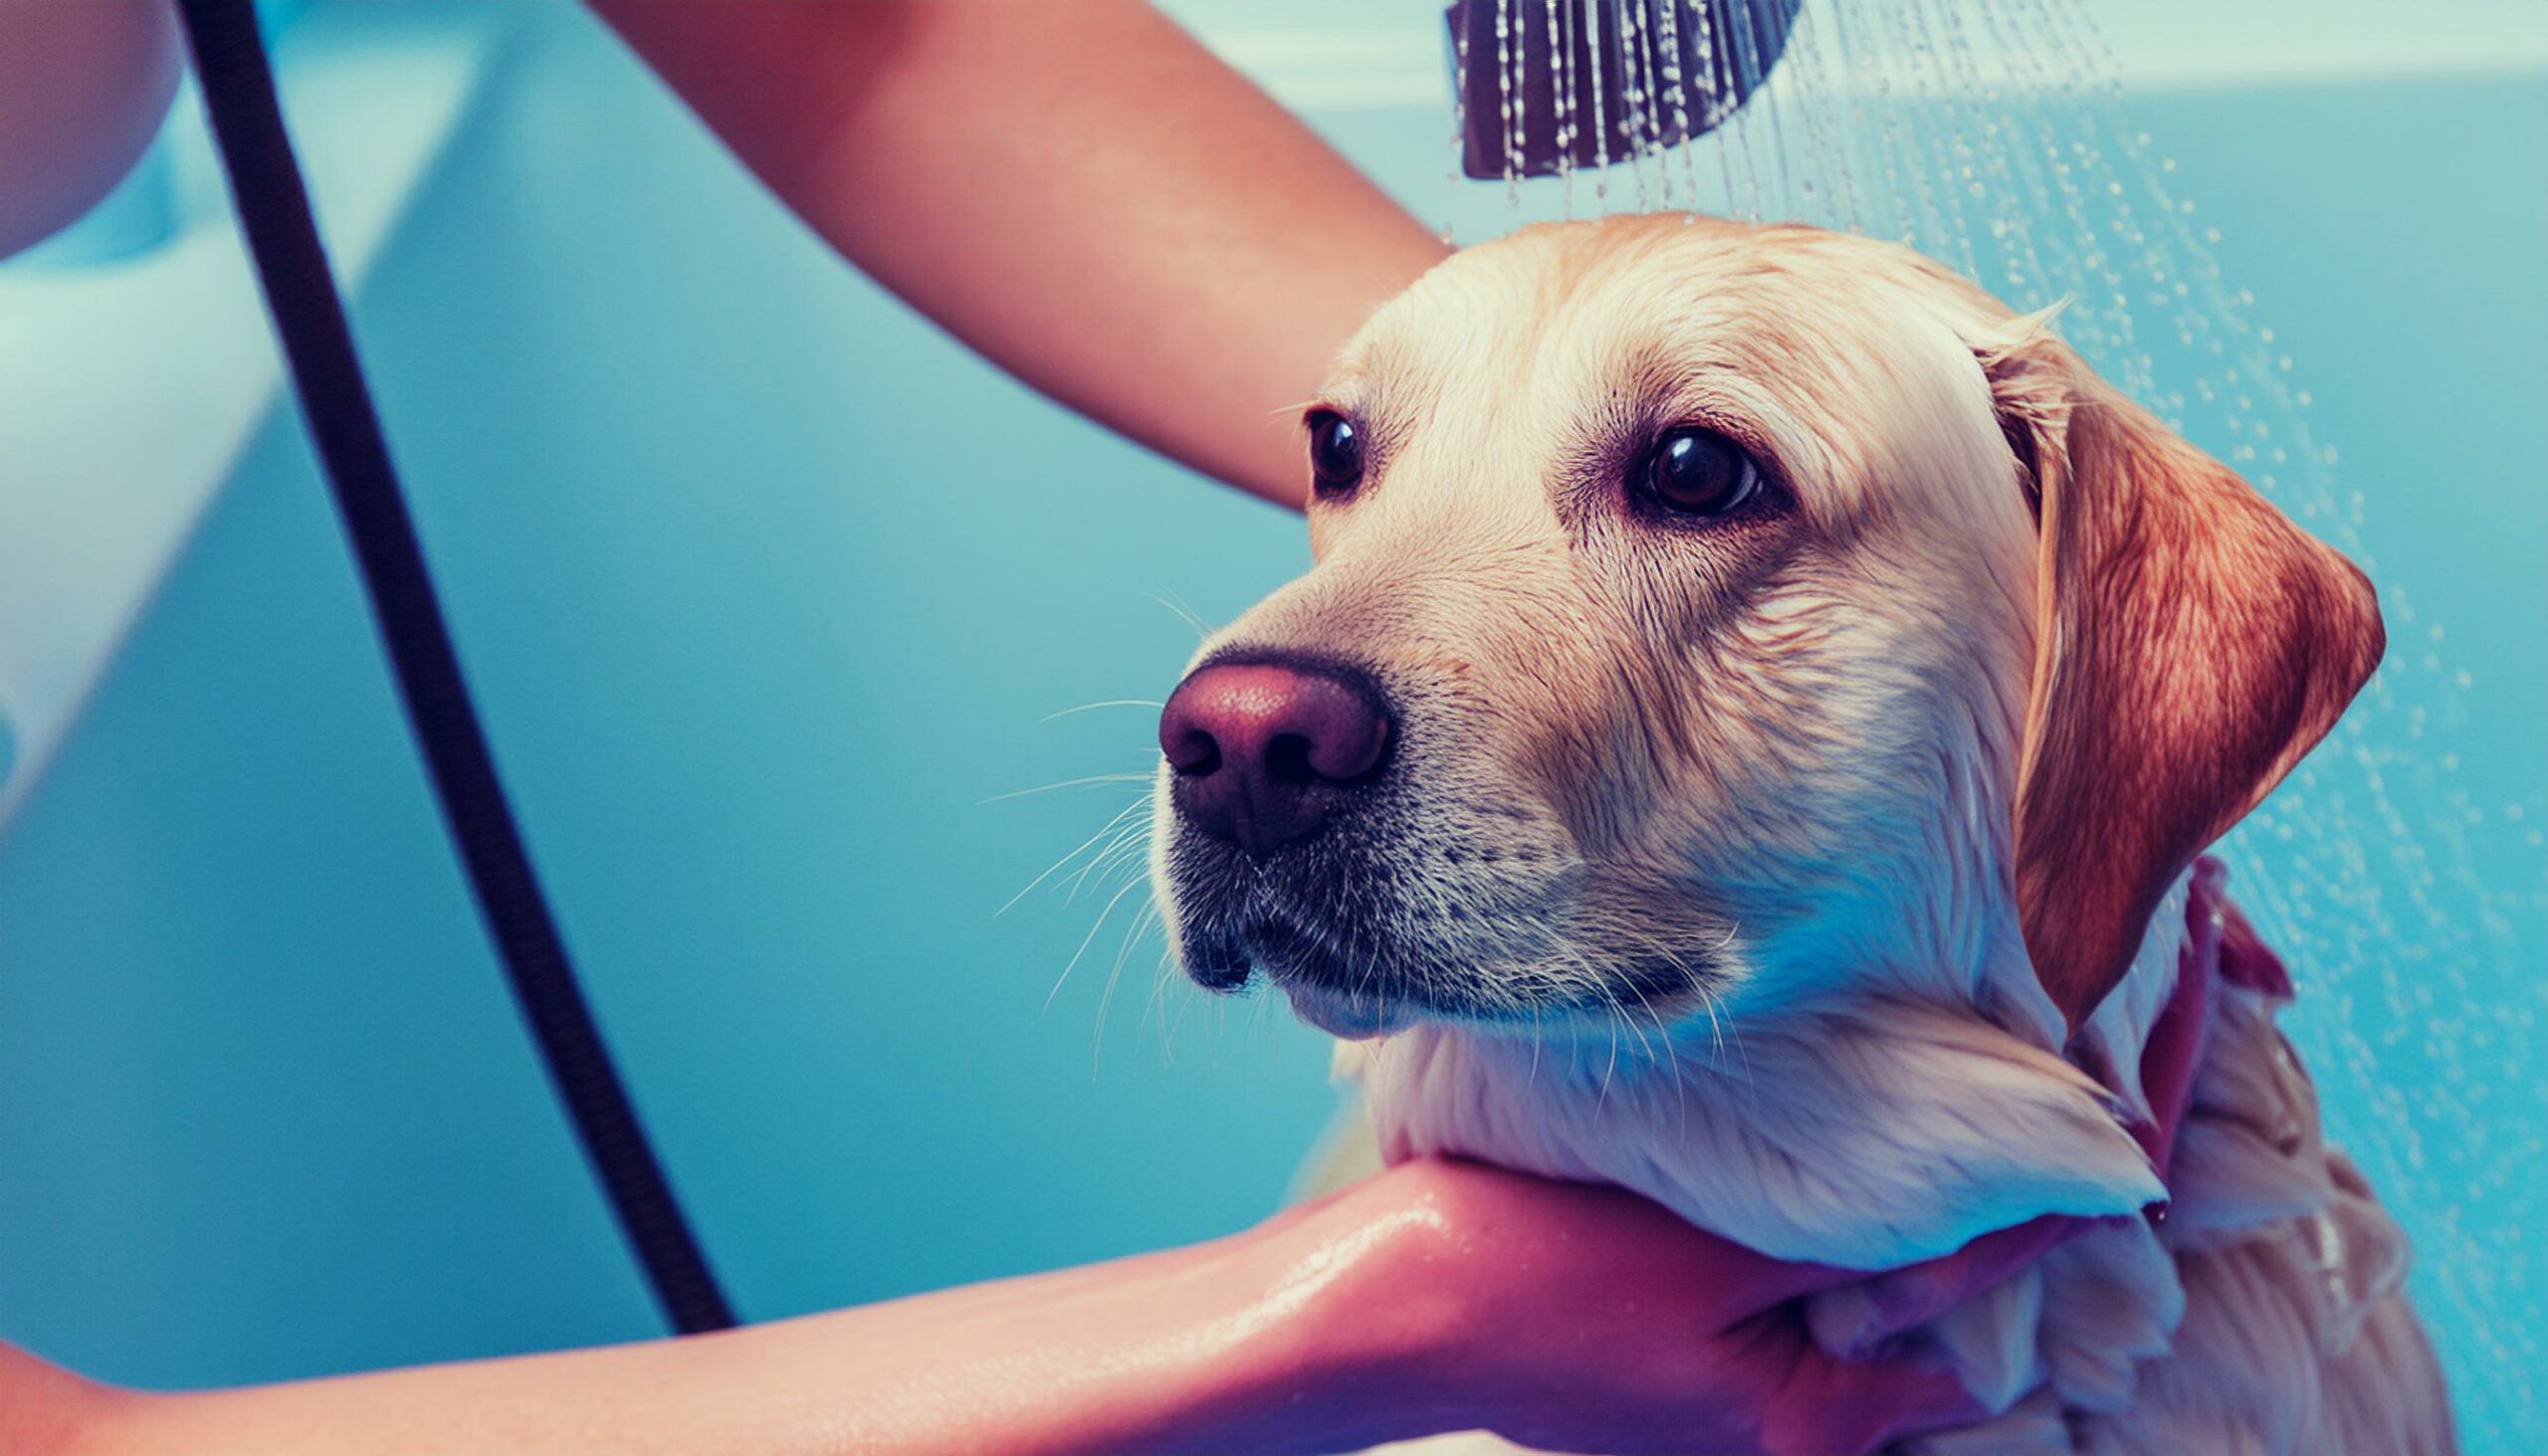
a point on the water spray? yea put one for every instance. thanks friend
(1992, 136)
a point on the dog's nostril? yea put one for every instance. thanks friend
(1193, 753)
(1287, 760)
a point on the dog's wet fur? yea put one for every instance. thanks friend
(1818, 867)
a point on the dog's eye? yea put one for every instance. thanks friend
(1336, 453)
(1694, 472)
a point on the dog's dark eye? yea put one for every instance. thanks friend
(1694, 472)
(1336, 453)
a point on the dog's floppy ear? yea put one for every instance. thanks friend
(2191, 644)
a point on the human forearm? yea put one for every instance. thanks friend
(1267, 1342)
(1079, 191)
(82, 87)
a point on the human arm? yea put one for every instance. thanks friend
(1081, 192)
(83, 88)
(1435, 1297)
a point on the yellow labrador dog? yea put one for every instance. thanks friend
(1745, 738)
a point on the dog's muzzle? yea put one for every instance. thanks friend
(1278, 771)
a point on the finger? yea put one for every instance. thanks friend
(1836, 1408)
(1887, 1302)
(1752, 1284)
(2176, 1046)
(1853, 1320)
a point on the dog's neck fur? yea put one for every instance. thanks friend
(1870, 1133)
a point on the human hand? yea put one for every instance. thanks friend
(1575, 1318)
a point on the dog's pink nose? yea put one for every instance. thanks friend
(1264, 750)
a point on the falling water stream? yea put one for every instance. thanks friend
(1995, 136)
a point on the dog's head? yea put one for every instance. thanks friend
(1706, 611)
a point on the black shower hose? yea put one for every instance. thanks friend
(336, 403)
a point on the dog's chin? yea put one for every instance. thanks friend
(1350, 1015)
(1386, 986)
(1356, 1001)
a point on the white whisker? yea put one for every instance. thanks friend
(1130, 843)
(1108, 828)
(1107, 999)
(1202, 629)
(1106, 702)
(1045, 788)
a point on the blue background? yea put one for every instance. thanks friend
(766, 588)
